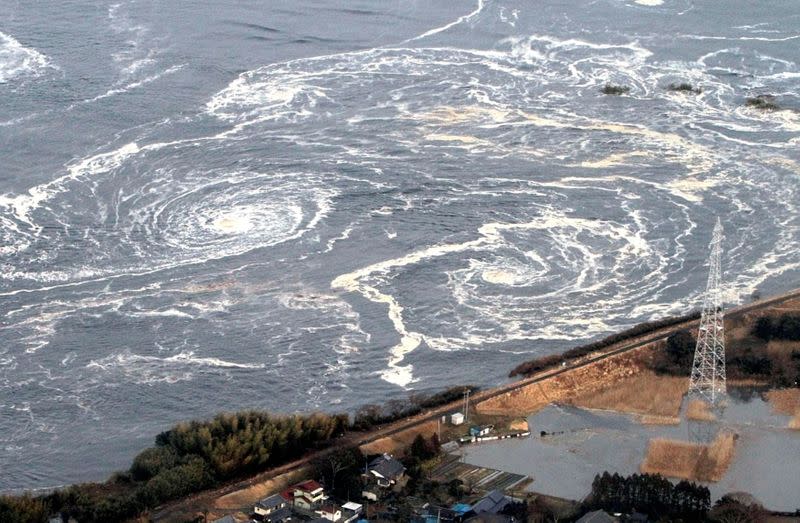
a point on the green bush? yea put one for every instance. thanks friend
(151, 461)
(783, 327)
(23, 509)
(677, 356)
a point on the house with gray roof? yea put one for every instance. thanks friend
(386, 470)
(493, 503)
(273, 509)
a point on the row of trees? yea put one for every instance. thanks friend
(533, 366)
(186, 459)
(197, 455)
(651, 494)
(745, 358)
(783, 327)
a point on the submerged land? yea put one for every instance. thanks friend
(226, 465)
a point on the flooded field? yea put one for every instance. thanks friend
(580, 444)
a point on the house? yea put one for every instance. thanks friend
(382, 473)
(273, 509)
(491, 518)
(457, 418)
(480, 431)
(493, 503)
(385, 470)
(329, 512)
(598, 516)
(351, 511)
(308, 495)
(436, 514)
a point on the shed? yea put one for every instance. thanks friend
(457, 418)
(480, 431)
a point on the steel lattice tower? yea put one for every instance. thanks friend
(708, 369)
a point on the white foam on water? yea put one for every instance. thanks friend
(469, 17)
(18, 61)
(149, 370)
(366, 281)
(136, 55)
(227, 215)
(22, 205)
(133, 85)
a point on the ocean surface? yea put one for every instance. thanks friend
(298, 205)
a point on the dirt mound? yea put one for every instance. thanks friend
(397, 443)
(246, 497)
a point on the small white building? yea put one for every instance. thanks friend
(329, 512)
(351, 511)
(308, 495)
(457, 418)
(273, 508)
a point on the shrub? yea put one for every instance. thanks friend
(677, 356)
(23, 509)
(783, 327)
(150, 462)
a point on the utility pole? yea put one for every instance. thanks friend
(708, 379)
(466, 405)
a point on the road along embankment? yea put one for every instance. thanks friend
(573, 379)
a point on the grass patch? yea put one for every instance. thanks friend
(681, 459)
(786, 402)
(645, 393)
(699, 410)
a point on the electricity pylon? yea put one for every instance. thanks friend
(708, 369)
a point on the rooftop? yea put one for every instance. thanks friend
(492, 503)
(271, 501)
(387, 466)
(308, 486)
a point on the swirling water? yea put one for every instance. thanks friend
(297, 205)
